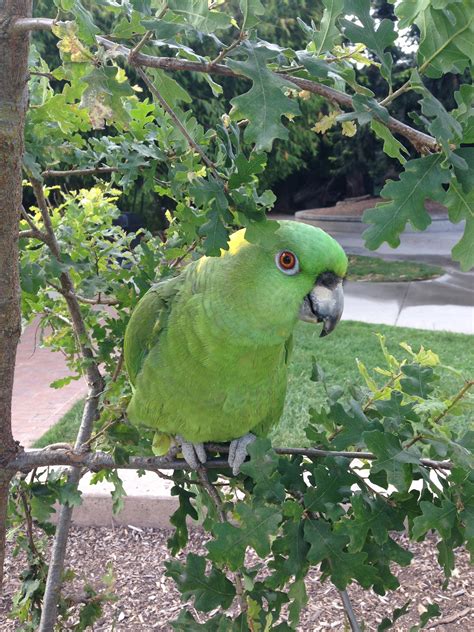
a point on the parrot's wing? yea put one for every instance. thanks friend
(146, 323)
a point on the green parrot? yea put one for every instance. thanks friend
(207, 351)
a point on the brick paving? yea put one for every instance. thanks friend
(36, 406)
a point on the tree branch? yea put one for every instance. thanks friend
(421, 141)
(191, 142)
(90, 413)
(14, 47)
(346, 602)
(30, 459)
(89, 171)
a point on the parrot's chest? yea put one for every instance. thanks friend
(220, 391)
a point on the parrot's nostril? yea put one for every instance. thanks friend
(328, 279)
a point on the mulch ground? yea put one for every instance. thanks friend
(146, 599)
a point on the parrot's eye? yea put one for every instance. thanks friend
(287, 262)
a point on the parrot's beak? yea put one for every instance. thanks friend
(324, 303)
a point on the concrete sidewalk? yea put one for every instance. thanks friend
(446, 303)
(36, 406)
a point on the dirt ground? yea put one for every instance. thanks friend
(146, 599)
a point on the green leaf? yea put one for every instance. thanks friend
(442, 125)
(432, 610)
(263, 469)
(87, 29)
(331, 484)
(423, 178)
(265, 103)
(328, 35)
(464, 113)
(417, 380)
(246, 170)
(208, 591)
(446, 39)
(42, 508)
(103, 96)
(366, 108)
(68, 494)
(391, 146)
(251, 11)
(326, 545)
(371, 516)
(180, 537)
(387, 623)
(461, 206)
(215, 234)
(376, 39)
(257, 524)
(408, 10)
(442, 518)
(196, 13)
(391, 457)
(171, 91)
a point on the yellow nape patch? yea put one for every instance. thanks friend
(161, 444)
(236, 242)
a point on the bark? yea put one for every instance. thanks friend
(31, 459)
(422, 142)
(13, 105)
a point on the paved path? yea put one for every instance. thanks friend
(36, 406)
(446, 303)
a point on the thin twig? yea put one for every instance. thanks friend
(459, 396)
(148, 35)
(33, 226)
(349, 611)
(225, 51)
(29, 524)
(176, 262)
(219, 505)
(52, 173)
(99, 300)
(96, 385)
(36, 73)
(134, 52)
(377, 393)
(27, 234)
(191, 142)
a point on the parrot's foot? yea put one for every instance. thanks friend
(194, 453)
(238, 451)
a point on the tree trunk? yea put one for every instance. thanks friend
(13, 105)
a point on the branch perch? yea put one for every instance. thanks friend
(30, 459)
(421, 141)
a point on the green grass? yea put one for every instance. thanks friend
(337, 355)
(375, 269)
(65, 430)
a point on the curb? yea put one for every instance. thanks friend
(148, 502)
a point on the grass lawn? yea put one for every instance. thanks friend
(336, 354)
(374, 269)
(65, 430)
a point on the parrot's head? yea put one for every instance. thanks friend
(294, 272)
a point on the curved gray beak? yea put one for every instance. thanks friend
(324, 303)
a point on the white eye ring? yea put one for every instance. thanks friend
(287, 262)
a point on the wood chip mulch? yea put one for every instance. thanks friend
(146, 599)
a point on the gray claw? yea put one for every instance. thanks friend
(194, 453)
(238, 451)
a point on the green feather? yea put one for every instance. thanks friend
(207, 351)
